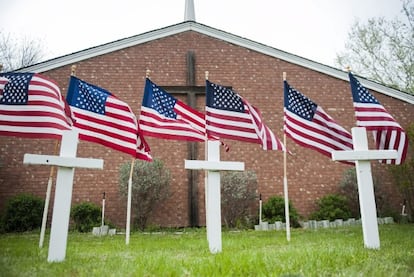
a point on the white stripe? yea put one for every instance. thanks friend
(233, 132)
(34, 130)
(172, 132)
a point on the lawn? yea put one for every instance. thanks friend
(325, 252)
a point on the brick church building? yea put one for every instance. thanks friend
(178, 56)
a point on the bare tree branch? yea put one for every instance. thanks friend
(17, 53)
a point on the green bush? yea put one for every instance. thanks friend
(238, 194)
(331, 207)
(150, 186)
(274, 210)
(23, 212)
(86, 215)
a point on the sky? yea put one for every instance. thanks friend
(313, 29)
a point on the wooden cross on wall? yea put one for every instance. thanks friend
(190, 91)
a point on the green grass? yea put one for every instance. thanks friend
(326, 252)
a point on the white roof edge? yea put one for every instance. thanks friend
(216, 33)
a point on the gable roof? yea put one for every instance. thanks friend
(215, 33)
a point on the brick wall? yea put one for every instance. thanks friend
(257, 77)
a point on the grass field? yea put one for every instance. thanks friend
(325, 252)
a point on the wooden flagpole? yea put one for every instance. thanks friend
(128, 219)
(206, 173)
(47, 200)
(49, 184)
(129, 201)
(285, 183)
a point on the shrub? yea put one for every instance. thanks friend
(331, 207)
(238, 192)
(23, 212)
(403, 175)
(274, 210)
(349, 188)
(150, 185)
(86, 215)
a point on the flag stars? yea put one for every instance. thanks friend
(226, 99)
(15, 91)
(365, 96)
(163, 103)
(91, 99)
(300, 104)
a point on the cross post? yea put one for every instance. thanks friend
(362, 157)
(66, 162)
(213, 165)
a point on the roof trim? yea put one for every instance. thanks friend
(215, 33)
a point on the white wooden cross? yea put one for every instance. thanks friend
(362, 157)
(213, 165)
(66, 162)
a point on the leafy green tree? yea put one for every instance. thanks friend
(382, 50)
(150, 185)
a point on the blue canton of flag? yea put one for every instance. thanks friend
(16, 90)
(225, 99)
(362, 95)
(300, 104)
(90, 98)
(160, 101)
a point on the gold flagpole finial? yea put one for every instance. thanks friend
(73, 70)
(206, 74)
(348, 68)
(147, 73)
(284, 76)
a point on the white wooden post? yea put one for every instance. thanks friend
(213, 200)
(66, 163)
(362, 157)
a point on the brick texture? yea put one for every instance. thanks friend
(257, 77)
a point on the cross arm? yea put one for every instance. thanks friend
(63, 161)
(213, 165)
(364, 155)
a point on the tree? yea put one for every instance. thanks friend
(404, 175)
(382, 50)
(150, 185)
(17, 53)
(238, 190)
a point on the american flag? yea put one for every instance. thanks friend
(143, 149)
(310, 126)
(230, 116)
(102, 118)
(31, 105)
(388, 134)
(163, 116)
